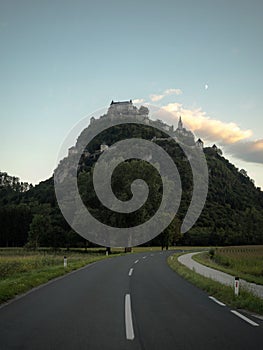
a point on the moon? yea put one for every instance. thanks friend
(206, 86)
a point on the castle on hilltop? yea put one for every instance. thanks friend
(124, 109)
(122, 106)
(181, 131)
(127, 108)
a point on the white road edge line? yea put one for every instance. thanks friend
(135, 262)
(245, 318)
(128, 318)
(131, 271)
(217, 301)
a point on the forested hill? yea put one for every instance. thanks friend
(233, 213)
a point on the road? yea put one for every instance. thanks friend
(222, 277)
(129, 302)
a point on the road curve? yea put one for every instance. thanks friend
(130, 302)
(219, 276)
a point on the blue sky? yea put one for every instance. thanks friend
(61, 60)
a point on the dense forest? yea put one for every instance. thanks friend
(233, 213)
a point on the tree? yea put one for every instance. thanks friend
(172, 234)
(39, 227)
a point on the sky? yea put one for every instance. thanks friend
(61, 60)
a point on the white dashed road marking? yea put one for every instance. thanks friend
(128, 318)
(217, 301)
(245, 318)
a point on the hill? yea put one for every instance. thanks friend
(233, 213)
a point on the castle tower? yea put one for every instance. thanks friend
(199, 143)
(180, 124)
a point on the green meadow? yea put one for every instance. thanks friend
(243, 261)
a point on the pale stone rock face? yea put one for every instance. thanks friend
(72, 150)
(143, 111)
(104, 147)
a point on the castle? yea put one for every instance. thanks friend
(124, 109)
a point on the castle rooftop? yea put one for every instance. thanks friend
(120, 102)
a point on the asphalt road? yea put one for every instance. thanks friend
(130, 302)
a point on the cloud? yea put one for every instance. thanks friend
(138, 100)
(229, 136)
(207, 128)
(166, 92)
(250, 151)
(156, 98)
(173, 92)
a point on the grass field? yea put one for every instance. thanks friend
(243, 261)
(21, 270)
(244, 300)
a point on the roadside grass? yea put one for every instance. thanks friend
(175, 248)
(225, 294)
(22, 270)
(245, 262)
